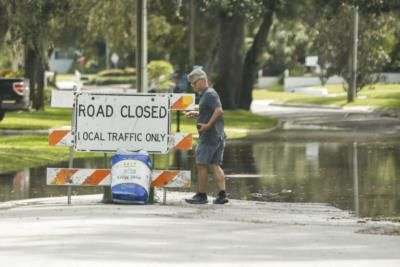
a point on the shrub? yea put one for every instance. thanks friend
(111, 80)
(111, 72)
(159, 68)
(160, 72)
(130, 71)
(297, 69)
(11, 74)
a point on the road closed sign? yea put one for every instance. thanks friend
(108, 122)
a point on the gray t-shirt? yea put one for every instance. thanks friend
(209, 101)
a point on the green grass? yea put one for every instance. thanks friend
(380, 96)
(21, 151)
(94, 79)
(36, 120)
(71, 77)
(55, 117)
(111, 80)
(237, 123)
(383, 96)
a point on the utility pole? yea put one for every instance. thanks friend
(107, 55)
(141, 45)
(191, 33)
(352, 93)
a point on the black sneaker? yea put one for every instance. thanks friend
(199, 198)
(221, 198)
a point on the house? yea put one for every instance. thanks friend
(61, 60)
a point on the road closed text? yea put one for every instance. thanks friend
(125, 111)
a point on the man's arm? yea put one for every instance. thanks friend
(191, 114)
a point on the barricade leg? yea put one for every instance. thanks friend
(107, 195)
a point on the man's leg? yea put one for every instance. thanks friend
(220, 179)
(219, 176)
(201, 196)
(202, 172)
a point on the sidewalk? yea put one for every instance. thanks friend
(48, 232)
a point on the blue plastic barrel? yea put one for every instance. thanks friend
(131, 177)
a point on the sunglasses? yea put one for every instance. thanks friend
(194, 82)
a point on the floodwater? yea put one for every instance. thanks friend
(363, 176)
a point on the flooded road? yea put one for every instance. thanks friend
(362, 176)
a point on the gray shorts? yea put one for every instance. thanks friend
(210, 154)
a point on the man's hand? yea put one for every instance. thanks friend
(201, 127)
(192, 114)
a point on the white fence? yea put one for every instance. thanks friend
(268, 81)
(391, 77)
(295, 82)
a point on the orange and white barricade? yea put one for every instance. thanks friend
(60, 136)
(182, 101)
(102, 177)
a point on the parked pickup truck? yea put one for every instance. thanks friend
(14, 95)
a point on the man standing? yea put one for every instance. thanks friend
(211, 143)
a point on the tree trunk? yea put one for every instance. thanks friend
(230, 59)
(394, 56)
(40, 69)
(251, 63)
(3, 22)
(29, 68)
(35, 66)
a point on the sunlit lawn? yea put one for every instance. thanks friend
(71, 77)
(382, 96)
(20, 150)
(35, 120)
(56, 117)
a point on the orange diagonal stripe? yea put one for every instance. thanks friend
(182, 103)
(96, 177)
(56, 136)
(63, 176)
(185, 143)
(164, 178)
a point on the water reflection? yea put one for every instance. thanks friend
(362, 177)
(15, 185)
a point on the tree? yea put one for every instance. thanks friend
(232, 17)
(333, 38)
(114, 22)
(229, 58)
(329, 32)
(375, 6)
(237, 64)
(3, 20)
(32, 22)
(225, 46)
(252, 59)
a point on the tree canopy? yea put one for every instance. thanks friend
(233, 39)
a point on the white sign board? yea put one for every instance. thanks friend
(311, 61)
(114, 58)
(62, 98)
(132, 122)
